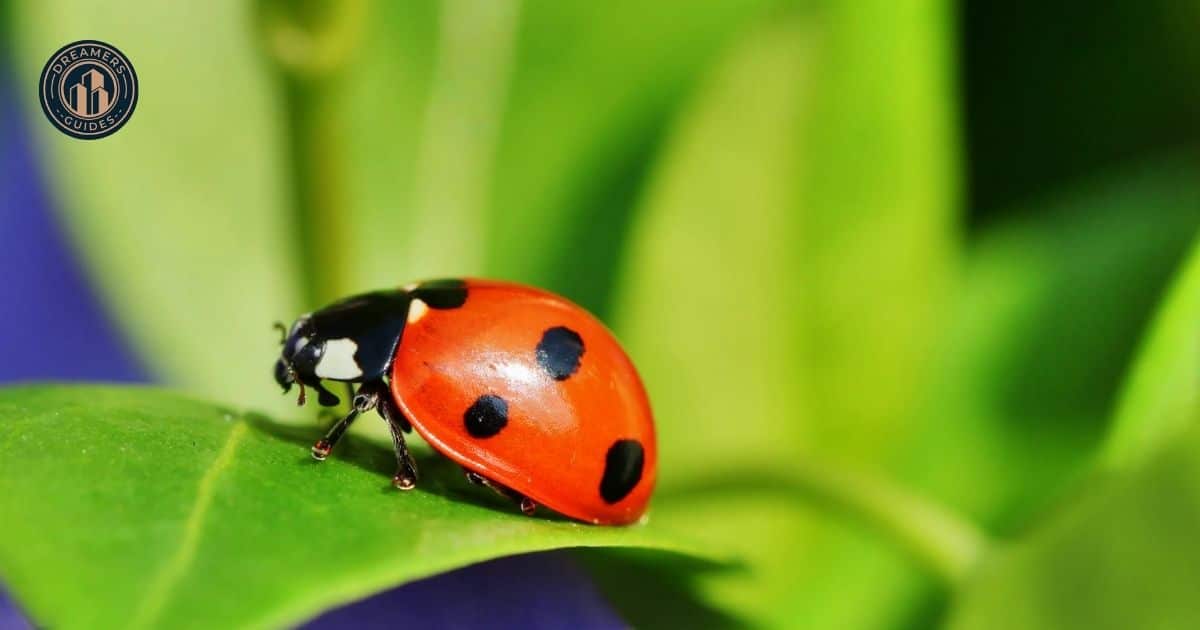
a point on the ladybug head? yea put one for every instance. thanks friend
(300, 359)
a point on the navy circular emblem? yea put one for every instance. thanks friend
(88, 89)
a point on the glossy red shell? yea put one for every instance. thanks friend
(554, 446)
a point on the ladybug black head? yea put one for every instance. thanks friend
(351, 340)
(283, 375)
(298, 362)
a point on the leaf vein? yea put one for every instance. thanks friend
(175, 568)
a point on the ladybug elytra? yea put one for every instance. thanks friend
(526, 391)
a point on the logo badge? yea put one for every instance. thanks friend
(88, 89)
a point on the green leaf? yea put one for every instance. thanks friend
(466, 148)
(1162, 395)
(878, 203)
(422, 103)
(180, 214)
(516, 134)
(693, 249)
(582, 126)
(128, 507)
(1121, 554)
(878, 245)
(1023, 81)
(1050, 314)
(781, 290)
(724, 402)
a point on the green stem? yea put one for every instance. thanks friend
(945, 542)
(314, 160)
(308, 43)
(950, 546)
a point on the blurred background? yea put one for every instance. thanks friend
(922, 240)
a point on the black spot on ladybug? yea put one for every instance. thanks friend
(622, 470)
(559, 352)
(486, 417)
(442, 294)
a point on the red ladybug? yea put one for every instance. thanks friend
(526, 391)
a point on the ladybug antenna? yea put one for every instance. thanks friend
(282, 332)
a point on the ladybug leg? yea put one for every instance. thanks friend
(406, 468)
(321, 449)
(527, 505)
(365, 400)
(388, 411)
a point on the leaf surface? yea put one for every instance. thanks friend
(129, 507)
(1049, 318)
(477, 138)
(781, 288)
(1122, 553)
(1161, 397)
(179, 215)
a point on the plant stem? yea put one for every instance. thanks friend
(308, 43)
(318, 222)
(948, 545)
(945, 542)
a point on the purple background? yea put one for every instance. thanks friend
(53, 327)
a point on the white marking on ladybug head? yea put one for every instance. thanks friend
(337, 361)
(417, 310)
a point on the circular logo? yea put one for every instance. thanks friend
(88, 89)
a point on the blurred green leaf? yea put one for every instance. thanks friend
(877, 245)
(1049, 318)
(782, 285)
(710, 245)
(128, 507)
(592, 88)
(500, 138)
(509, 138)
(1030, 127)
(422, 102)
(879, 192)
(1162, 395)
(1121, 554)
(180, 214)
(708, 257)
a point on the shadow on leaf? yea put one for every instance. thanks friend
(438, 475)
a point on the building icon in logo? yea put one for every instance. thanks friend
(89, 98)
(88, 89)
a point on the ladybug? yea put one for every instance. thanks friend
(527, 392)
